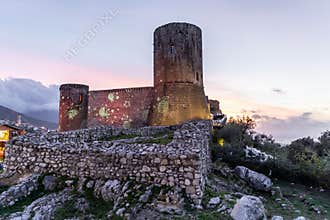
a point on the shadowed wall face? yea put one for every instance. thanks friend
(73, 107)
(178, 75)
(120, 107)
(214, 106)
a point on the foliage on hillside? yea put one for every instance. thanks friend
(304, 160)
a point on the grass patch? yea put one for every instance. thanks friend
(162, 140)
(67, 211)
(208, 194)
(3, 188)
(98, 207)
(157, 138)
(118, 137)
(299, 197)
(212, 216)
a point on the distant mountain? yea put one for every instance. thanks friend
(44, 115)
(9, 114)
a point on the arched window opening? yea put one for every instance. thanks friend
(172, 49)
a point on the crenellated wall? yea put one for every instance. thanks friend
(120, 107)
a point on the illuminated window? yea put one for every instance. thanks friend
(80, 98)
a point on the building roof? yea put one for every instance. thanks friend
(11, 126)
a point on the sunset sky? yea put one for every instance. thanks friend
(268, 59)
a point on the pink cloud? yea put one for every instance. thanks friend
(19, 65)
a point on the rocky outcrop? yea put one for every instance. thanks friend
(44, 207)
(19, 191)
(214, 202)
(49, 182)
(248, 208)
(111, 190)
(256, 154)
(256, 180)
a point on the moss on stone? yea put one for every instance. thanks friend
(163, 104)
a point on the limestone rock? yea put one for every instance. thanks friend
(145, 197)
(120, 212)
(49, 183)
(169, 209)
(44, 207)
(90, 184)
(111, 190)
(82, 205)
(256, 180)
(19, 191)
(214, 202)
(248, 208)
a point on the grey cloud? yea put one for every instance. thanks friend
(256, 116)
(286, 130)
(25, 95)
(278, 91)
(306, 114)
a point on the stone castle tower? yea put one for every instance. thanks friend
(178, 75)
(177, 96)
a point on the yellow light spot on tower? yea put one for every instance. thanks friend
(221, 142)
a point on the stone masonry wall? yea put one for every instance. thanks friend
(120, 107)
(183, 162)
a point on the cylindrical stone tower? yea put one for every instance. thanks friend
(73, 107)
(178, 75)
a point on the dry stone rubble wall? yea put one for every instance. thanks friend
(183, 162)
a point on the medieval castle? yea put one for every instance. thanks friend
(177, 96)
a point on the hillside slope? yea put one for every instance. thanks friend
(9, 114)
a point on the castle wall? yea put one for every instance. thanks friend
(183, 162)
(177, 96)
(178, 103)
(120, 107)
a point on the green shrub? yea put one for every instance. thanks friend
(304, 160)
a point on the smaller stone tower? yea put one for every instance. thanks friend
(215, 106)
(73, 107)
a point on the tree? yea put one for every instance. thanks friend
(302, 150)
(324, 146)
(237, 132)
